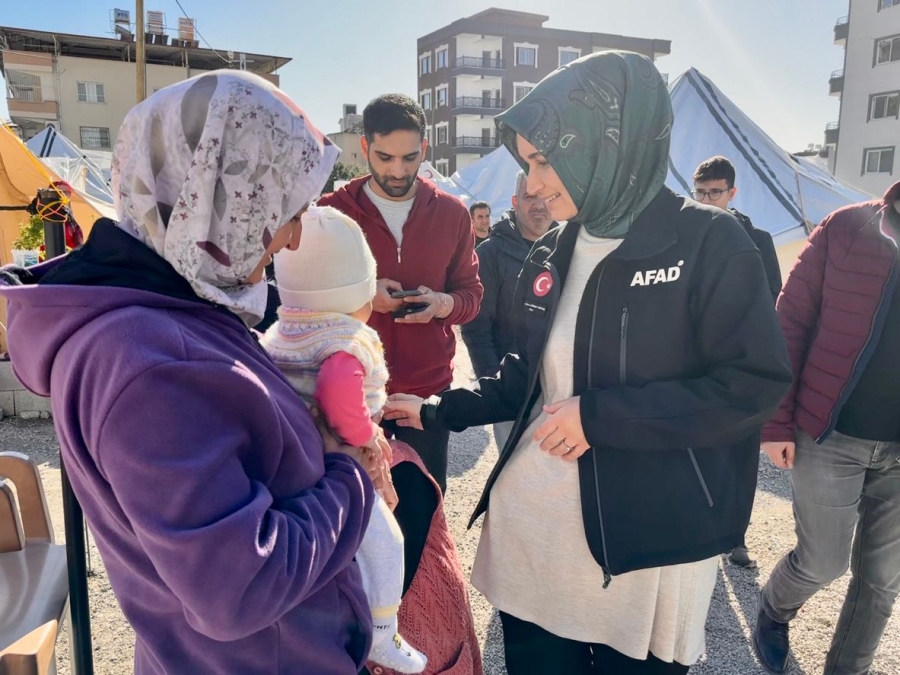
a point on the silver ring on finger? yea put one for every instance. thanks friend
(568, 447)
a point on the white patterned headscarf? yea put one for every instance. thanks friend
(206, 171)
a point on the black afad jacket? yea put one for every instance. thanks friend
(678, 360)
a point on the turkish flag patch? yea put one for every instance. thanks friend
(542, 284)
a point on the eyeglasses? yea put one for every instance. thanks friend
(711, 195)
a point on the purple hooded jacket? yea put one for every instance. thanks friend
(227, 534)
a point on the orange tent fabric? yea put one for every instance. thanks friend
(21, 176)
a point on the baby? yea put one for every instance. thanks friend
(335, 361)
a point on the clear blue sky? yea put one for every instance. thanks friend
(771, 57)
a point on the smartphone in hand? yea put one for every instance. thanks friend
(397, 295)
(410, 308)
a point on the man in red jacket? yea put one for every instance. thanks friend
(422, 240)
(838, 429)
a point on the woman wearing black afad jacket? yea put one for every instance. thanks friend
(650, 358)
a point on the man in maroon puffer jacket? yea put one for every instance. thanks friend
(839, 430)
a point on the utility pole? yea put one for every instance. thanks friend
(140, 56)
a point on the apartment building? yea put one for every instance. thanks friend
(865, 141)
(347, 139)
(84, 86)
(476, 67)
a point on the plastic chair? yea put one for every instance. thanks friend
(33, 575)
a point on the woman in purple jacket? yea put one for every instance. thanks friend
(228, 534)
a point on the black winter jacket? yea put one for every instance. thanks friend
(766, 246)
(678, 360)
(490, 335)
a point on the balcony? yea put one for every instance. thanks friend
(836, 83)
(477, 105)
(832, 130)
(40, 109)
(479, 65)
(478, 144)
(841, 30)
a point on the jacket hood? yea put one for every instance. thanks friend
(42, 318)
(508, 230)
(352, 199)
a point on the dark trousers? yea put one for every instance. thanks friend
(530, 650)
(431, 446)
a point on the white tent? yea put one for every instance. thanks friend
(781, 194)
(427, 171)
(87, 171)
(492, 179)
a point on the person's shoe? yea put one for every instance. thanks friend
(740, 556)
(772, 642)
(391, 650)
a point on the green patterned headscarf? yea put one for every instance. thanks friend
(604, 123)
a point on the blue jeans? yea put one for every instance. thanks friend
(846, 514)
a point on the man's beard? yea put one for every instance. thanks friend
(392, 190)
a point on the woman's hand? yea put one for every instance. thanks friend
(561, 435)
(405, 409)
(380, 446)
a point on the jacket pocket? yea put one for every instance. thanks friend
(709, 499)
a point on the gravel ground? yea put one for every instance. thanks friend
(472, 455)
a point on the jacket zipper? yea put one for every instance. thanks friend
(832, 418)
(398, 255)
(623, 345)
(709, 498)
(607, 577)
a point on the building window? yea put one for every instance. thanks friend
(425, 100)
(424, 64)
(442, 56)
(884, 4)
(428, 134)
(94, 137)
(441, 96)
(442, 166)
(442, 135)
(526, 55)
(91, 92)
(884, 106)
(24, 86)
(887, 50)
(520, 90)
(878, 160)
(567, 55)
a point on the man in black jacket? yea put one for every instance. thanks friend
(714, 184)
(489, 337)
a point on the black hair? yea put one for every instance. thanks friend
(392, 112)
(478, 205)
(715, 168)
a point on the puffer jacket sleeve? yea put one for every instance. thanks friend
(798, 313)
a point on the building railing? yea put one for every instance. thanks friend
(832, 126)
(843, 20)
(476, 142)
(479, 62)
(478, 102)
(837, 74)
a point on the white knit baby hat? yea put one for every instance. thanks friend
(332, 270)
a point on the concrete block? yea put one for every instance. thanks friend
(8, 381)
(30, 415)
(28, 402)
(8, 403)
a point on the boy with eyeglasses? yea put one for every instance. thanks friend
(714, 185)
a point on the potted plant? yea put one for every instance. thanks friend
(25, 249)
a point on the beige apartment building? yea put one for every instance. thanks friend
(863, 145)
(476, 67)
(85, 85)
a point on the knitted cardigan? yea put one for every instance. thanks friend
(435, 616)
(301, 341)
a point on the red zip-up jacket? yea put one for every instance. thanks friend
(437, 251)
(831, 310)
